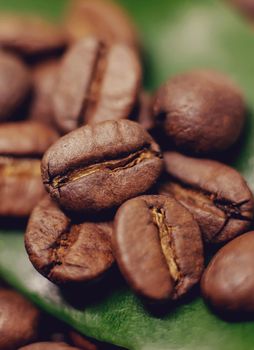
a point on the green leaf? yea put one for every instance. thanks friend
(177, 35)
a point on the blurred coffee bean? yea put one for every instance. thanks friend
(21, 147)
(48, 346)
(19, 320)
(99, 167)
(65, 251)
(44, 82)
(200, 111)
(158, 247)
(15, 84)
(104, 19)
(228, 281)
(216, 194)
(30, 35)
(96, 83)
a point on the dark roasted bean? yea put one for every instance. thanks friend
(96, 83)
(19, 320)
(228, 281)
(216, 194)
(99, 167)
(200, 111)
(21, 147)
(65, 251)
(104, 19)
(158, 247)
(15, 83)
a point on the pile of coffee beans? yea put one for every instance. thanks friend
(111, 175)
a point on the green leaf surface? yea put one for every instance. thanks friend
(177, 35)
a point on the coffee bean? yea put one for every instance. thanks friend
(15, 83)
(216, 195)
(30, 35)
(228, 281)
(48, 346)
(65, 251)
(99, 167)
(104, 19)
(44, 81)
(96, 83)
(200, 111)
(21, 147)
(19, 320)
(158, 247)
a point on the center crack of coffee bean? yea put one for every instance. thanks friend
(165, 234)
(19, 167)
(203, 199)
(112, 166)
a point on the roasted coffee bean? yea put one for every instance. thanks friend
(65, 251)
(44, 82)
(216, 194)
(30, 35)
(158, 247)
(96, 83)
(228, 281)
(21, 147)
(48, 346)
(104, 19)
(19, 320)
(99, 167)
(200, 111)
(15, 83)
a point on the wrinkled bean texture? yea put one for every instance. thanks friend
(48, 346)
(19, 320)
(15, 84)
(104, 19)
(21, 147)
(158, 247)
(96, 83)
(29, 35)
(64, 251)
(99, 167)
(216, 194)
(200, 111)
(228, 281)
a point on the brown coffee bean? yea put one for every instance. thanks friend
(158, 247)
(216, 195)
(19, 320)
(30, 35)
(65, 251)
(48, 346)
(15, 83)
(44, 82)
(228, 281)
(99, 167)
(104, 19)
(21, 147)
(96, 83)
(200, 111)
